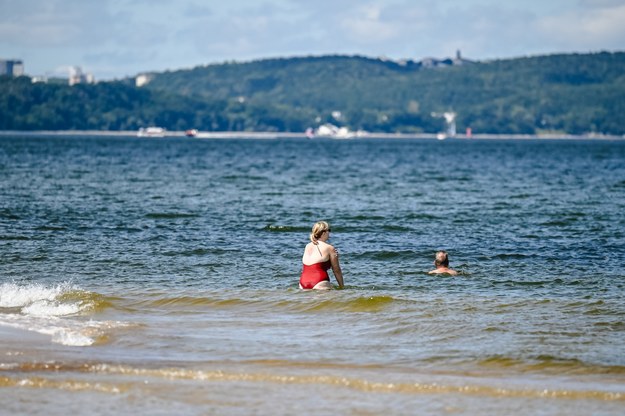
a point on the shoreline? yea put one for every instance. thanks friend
(296, 135)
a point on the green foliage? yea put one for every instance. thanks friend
(573, 93)
(103, 106)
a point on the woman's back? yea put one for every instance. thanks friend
(316, 253)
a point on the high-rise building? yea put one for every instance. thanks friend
(11, 67)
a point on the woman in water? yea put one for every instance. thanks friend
(319, 256)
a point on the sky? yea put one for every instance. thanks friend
(114, 39)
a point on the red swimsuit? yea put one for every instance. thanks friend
(313, 274)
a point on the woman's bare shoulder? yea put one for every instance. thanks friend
(326, 246)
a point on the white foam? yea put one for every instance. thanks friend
(39, 300)
(13, 295)
(45, 310)
(72, 337)
(65, 331)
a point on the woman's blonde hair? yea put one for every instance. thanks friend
(319, 228)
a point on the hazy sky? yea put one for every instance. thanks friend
(118, 38)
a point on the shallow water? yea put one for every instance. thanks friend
(160, 276)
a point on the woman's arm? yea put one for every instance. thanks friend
(336, 267)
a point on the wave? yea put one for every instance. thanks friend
(8, 215)
(506, 256)
(547, 364)
(172, 374)
(422, 216)
(302, 301)
(169, 215)
(285, 229)
(50, 228)
(384, 254)
(521, 283)
(190, 301)
(70, 385)
(14, 238)
(359, 304)
(189, 253)
(56, 311)
(58, 300)
(71, 332)
(361, 217)
(562, 222)
(394, 228)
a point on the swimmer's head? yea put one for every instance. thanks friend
(318, 229)
(441, 259)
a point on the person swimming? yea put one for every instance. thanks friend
(441, 262)
(318, 258)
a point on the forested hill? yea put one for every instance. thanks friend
(568, 93)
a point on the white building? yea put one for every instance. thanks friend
(142, 79)
(76, 76)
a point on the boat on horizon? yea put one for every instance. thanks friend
(151, 132)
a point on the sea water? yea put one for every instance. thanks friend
(160, 276)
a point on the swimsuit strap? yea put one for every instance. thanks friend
(319, 250)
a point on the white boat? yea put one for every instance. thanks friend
(330, 130)
(151, 132)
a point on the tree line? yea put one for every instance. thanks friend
(566, 93)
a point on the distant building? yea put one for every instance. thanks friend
(431, 63)
(438, 63)
(11, 67)
(459, 60)
(76, 76)
(142, 79)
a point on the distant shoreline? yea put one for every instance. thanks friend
(294, 135)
